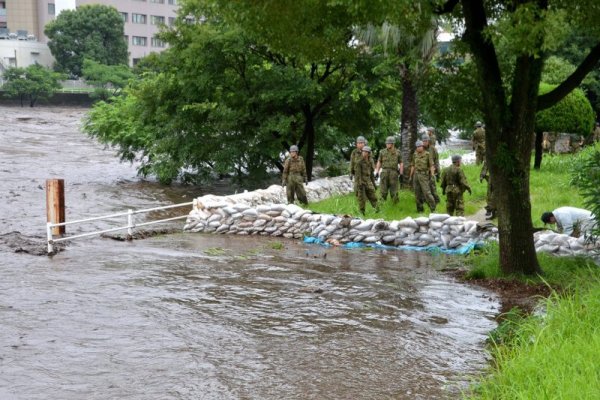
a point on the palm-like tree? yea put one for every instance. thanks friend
(413, 49)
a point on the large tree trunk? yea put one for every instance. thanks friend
(511, 190)
(539, 137)
(409, 117)
(509, 124)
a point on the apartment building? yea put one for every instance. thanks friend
(26, 19)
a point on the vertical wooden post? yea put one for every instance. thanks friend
(55, 204)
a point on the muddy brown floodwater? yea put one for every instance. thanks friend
(190, 316)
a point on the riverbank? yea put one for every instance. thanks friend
(543, 354)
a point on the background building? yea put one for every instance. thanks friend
(26, 19)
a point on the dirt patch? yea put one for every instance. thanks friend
(16, 242)
(512, 293)
(141, 234)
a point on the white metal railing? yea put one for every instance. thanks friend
(130, 223)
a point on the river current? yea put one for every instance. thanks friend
(193, 316)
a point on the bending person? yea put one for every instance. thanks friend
(570, 220)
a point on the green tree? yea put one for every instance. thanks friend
(412, 51)
(218, 101)
(109, 80)
(528, 30)
(32, 83)
(92, 32)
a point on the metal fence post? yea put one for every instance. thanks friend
(130, 224)
(49, 236)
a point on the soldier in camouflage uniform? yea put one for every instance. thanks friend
(436, 167)
(490, 208)
(390, 166)
(454, 184)
(294, 176)
(355, 157)
(421, 170)
(432, 137)
(365, 181)
(479, 143)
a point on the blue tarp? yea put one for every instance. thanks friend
(464, 249)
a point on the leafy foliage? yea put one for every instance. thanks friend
(219, 102)
(94, 32)
(573, 114)
(108, 79)
(33, 83)
(587, 179)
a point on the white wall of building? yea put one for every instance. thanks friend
(23, 53)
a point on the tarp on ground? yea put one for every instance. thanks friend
(462, 250)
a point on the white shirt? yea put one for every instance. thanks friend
(569, 217)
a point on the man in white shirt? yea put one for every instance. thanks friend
(570, 220)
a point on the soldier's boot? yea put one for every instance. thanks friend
(420, 209)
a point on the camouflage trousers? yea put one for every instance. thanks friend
(366, 192)
(455, 202)
(433, 190)
(479, 154)
(389, 183)
(295, 187)
(491, 203)
(423, 191)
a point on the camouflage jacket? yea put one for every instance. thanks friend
(479, 138)
(390, 159)
(454, 179)
(435, 157)
(421, 162)
(294, 167)
(364, 173)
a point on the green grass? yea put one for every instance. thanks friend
(564, 273)
(550, 188)
(554, 356)
(406, 206)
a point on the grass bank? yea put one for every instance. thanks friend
(551, 355)
(550, 188)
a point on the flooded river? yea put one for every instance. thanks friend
(190, 316)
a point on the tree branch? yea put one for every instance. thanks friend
(557, 94)
(446, 8)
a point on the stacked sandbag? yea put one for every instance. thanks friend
(564, 245)
(290, 221)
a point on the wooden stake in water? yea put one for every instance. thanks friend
(55, 204)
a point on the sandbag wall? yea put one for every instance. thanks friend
(226, 216)
(264, 212)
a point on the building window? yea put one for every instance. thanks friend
(126, 39)
(155, 42)
(157, 20)
(125, 17)
(157, 1)
(51, 9)
(171, 21)
(173, 2)
(138, 18)
(135, 61)
(138, 40)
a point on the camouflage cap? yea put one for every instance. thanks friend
(419, 143)
(425, 137)
(430, 129)
(390, 140)
(367, 149)
(361, 139)
(478, 123)
(456, 158)
(293, 148)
